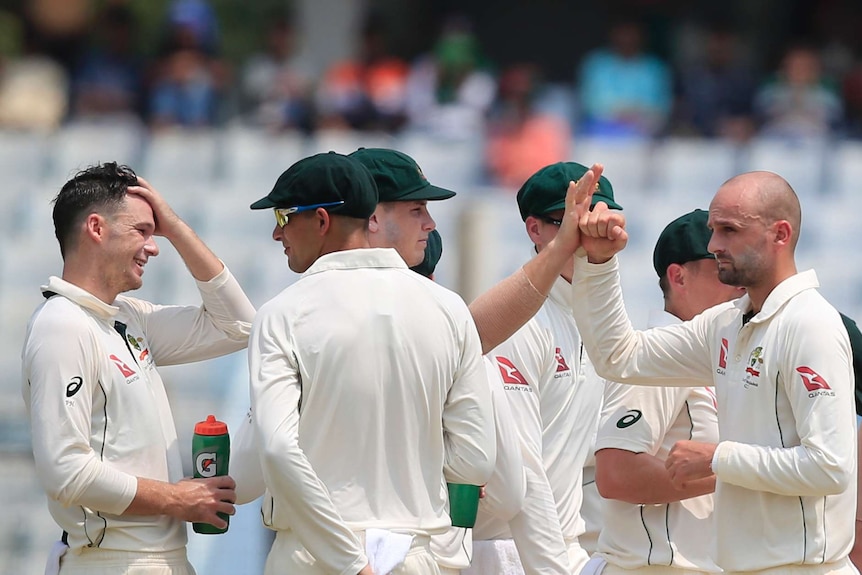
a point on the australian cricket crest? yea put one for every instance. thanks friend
(754, 368)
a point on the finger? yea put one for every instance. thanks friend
(228, 495)
(144, 183)
(216, 521)
(225, 507)
(137, 190)
(226, 481)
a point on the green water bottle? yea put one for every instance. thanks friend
(211, 457)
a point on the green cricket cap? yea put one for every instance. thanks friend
(433, 251)
(324, 179)
(856, 348)
(545, 191)
(683, 240)
(398, 177)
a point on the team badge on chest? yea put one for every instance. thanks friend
(753, 368)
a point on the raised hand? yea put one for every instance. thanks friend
(578, 198)
(167, 221)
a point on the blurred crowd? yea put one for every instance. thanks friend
(70, 60)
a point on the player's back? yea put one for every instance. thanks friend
(386, 359)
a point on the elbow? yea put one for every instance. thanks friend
(607, 489)
(837, 480)
(612, 485)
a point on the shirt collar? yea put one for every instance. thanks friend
(661, 318)
(781, 294)
(80, 296)
(358, 258)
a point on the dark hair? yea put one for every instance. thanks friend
(97, 188)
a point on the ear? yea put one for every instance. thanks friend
(676, 275)
(783, 232)
(95, 227)
(532, 225)
(324, 221)
(374, 223)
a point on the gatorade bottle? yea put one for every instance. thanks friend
(210, 457)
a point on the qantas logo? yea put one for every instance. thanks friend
(124, 369)
(509, 372)
(561, 362)
(722, 356)
(814, 382)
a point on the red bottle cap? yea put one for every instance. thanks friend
(211, 427)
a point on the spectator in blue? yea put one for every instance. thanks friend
(623, 90)
(189, 76)
(715, 94)
(107, 80)
(799, 103)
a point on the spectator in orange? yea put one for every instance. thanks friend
(368, 93)
(522, 139)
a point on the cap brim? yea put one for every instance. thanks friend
(611, 204)
(263, 203)
(430, 193)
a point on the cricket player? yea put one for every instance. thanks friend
(103, 435)
(543, 371)
(351, 368)
(780, 360)
(647, 521)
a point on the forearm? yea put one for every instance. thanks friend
(641, 478)
(313, 516)
(199, 259)
(671, 356)
(154, 497)
(796, 471)
(503, 309)
(536, 529)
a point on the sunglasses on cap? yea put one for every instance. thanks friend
(281, 214)
(550, 220)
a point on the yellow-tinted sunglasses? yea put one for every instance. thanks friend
(281, 214)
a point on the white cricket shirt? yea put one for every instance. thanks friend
(99, 415)
(786, 461)
(369, 393)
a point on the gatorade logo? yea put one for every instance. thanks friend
(205, 464)
(509, 372)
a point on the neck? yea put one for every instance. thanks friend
(759, 293)
(90, 279)
(353, 240)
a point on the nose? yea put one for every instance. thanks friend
(277, 233)
(429, 223)
(151, 247)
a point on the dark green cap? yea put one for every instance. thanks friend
(856, 348)
(683, 240)
(322, 179)
(398, 177)
(545, 191)
(433, 251)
